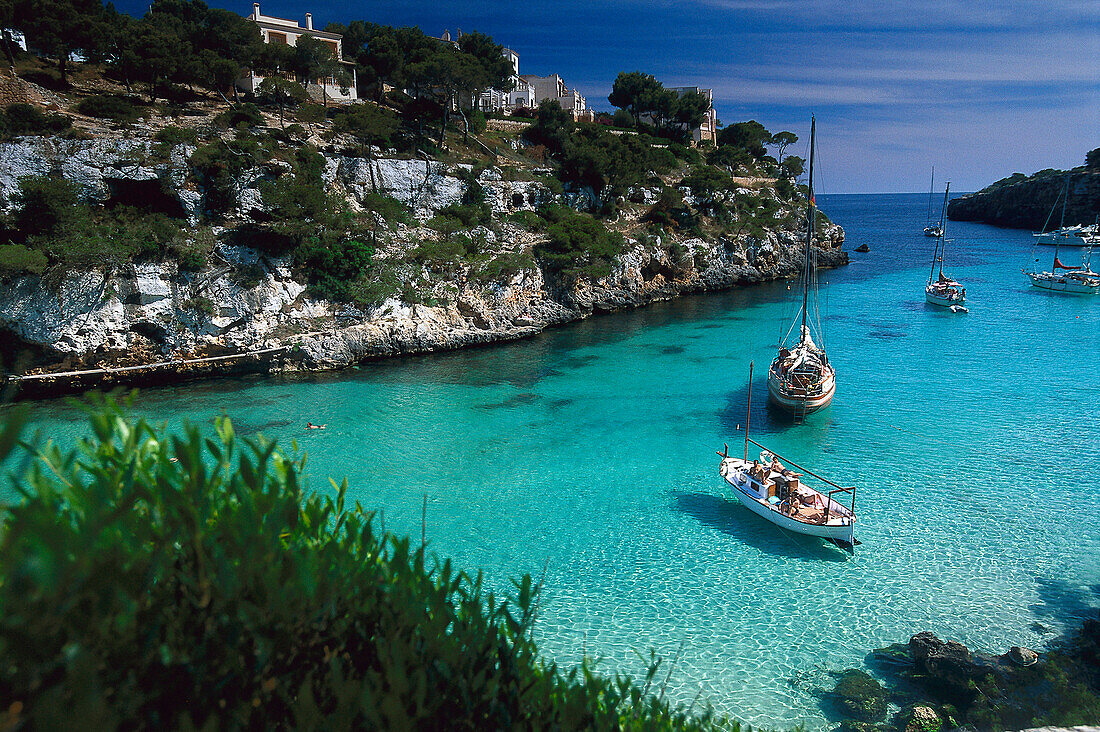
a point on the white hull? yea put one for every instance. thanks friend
(1064, 283)
(937, 299)
(793, 398)
(840, 526)
(1076, 236)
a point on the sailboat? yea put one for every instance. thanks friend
(1081, 280)
(941, 289)
(932, 229)
(1066, 236)
(801, 379)
(772, 490)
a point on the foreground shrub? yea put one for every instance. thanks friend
(184, 581)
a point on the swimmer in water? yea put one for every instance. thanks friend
(311, 426)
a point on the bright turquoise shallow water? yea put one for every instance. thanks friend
(590, 449)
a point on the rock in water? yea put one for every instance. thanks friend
(920, 718)
(862, 697)
(863, 248)
(947, 665)
(1023, 656)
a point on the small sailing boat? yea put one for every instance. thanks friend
(932, 228)
(943, 290)
(801, 379)
(774, 491)
(1081, 280)
(1066, 236)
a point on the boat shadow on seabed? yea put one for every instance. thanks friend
(735, 520)
(767, 419)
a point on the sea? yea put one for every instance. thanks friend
(587, 456)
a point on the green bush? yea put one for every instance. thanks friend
(332, 266)
(172, 135)
(595, 157)
(47, 205)
(111, 238)
(389, 208)
(240, 115)
(201, 305)
(16, 259)
(25, 119)
(192, 252)
(451, 219)
(476, 120)
(154, 580)
(219, 166)
(578, 245)
(109, 106)
(527, 219)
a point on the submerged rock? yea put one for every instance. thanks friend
(861, 696)
(919, 718)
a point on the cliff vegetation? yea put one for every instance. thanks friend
(153, 212)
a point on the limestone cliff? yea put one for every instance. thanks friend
(152, 311)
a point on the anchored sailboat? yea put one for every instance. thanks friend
(772, 490)
(801, 379)
(941, 289)
(1066, 236)
(1081, 280)
(932, 228)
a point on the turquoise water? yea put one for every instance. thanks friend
(590, 450)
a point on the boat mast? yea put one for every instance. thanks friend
(748, 414)
(809, 234)
(931, 185)
(943, 227)
(1061, 225)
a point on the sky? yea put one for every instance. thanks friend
(978, 89)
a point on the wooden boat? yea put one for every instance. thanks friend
(943, 290)
(801, 379)
(773, 491)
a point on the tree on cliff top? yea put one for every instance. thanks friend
(1092, 159)
(190, 580)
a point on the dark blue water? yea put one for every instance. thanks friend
(590, 450)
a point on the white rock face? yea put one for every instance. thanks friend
(244, 301)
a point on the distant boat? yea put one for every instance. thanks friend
(773, 491)
(1066, 236)
(943, 290)
(933, 228)
(801, 379)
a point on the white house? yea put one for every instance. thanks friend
(707, 131)
(281, 30)
(553, 87)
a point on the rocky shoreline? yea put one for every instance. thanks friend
(245, 301)
(1026, 203)
(941, 685)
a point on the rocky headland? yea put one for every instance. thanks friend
(243, 300)
(1027, 202)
